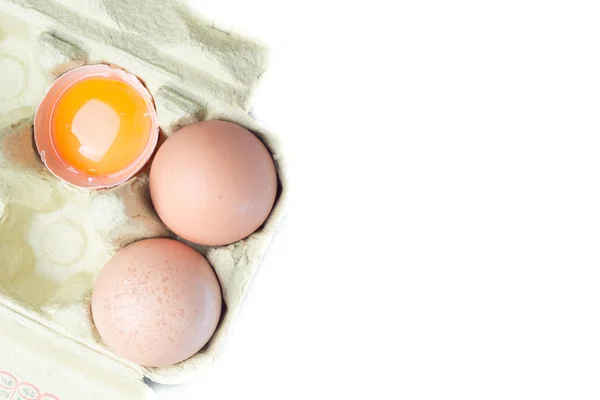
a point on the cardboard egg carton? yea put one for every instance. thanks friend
(54, 239)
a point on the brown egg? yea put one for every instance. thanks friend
(213, 183)
(156, 302)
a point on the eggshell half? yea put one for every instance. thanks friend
(43, 127)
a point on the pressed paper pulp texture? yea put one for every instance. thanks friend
(54, 238)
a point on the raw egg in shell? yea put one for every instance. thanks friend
(96, 126)
(213, 183)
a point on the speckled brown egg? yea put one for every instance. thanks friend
(213, 183)
(157, 302)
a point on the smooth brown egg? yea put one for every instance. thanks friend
(156, 302)
(213, 183)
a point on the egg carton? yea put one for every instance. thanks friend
(54, 238)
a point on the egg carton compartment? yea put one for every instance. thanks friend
(54, 239)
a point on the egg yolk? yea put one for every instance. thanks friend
(100, 126)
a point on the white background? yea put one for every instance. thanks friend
(443, 238)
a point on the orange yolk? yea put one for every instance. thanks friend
(100, 126)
